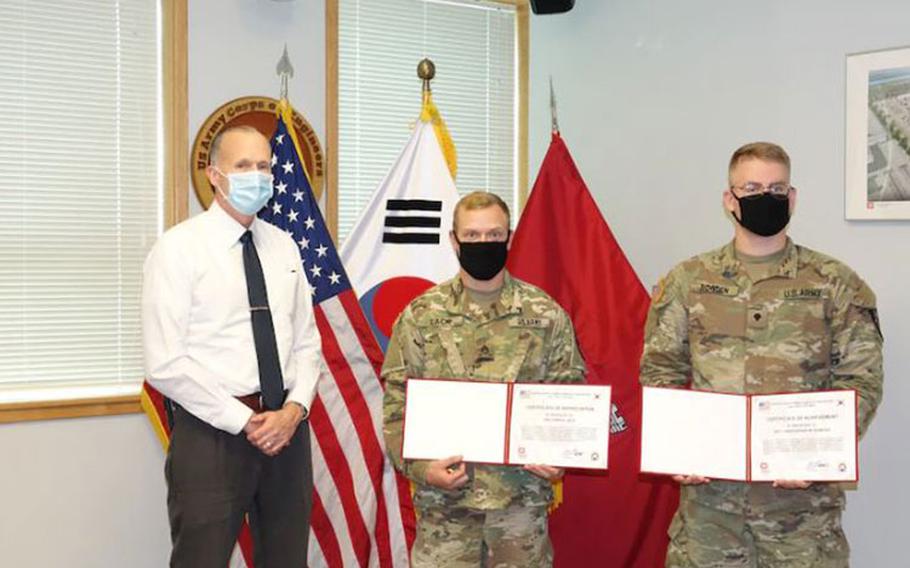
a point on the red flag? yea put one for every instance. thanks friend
(564, 246)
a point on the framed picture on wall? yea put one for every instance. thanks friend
(877, 172)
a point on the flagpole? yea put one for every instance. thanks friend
(285, 112)
(554, 120)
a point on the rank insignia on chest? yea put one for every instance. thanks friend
(484, 355)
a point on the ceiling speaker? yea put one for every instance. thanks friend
(551, 6)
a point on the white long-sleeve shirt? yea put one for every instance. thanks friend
(196, 330)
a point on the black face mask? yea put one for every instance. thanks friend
(483, 260)
(764, 215)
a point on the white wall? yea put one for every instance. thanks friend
(83, 493)
(234, 47)
(653, 97)
(90, 492)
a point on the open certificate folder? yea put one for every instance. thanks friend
(807, 436)
(507, 423)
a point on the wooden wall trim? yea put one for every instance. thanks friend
(331, 116)
(523, 37)
(77, 408)
(176, 111)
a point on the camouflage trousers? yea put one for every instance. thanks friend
(706, 537)
(515, 537)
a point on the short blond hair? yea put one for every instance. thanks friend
(480, 200)
(765, 151)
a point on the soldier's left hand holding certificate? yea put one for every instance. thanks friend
(505, 423)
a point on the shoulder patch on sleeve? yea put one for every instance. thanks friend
(864, 299)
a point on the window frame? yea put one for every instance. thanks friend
(176, 168)
(522, 38)
(176, 207)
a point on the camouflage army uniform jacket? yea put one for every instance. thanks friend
(523, 337)
(811, 324)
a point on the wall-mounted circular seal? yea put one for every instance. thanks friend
(260, 113)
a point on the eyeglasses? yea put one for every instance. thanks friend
(753, 190)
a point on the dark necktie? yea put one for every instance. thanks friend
(270, 380)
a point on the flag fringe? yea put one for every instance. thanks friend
(149, 408)
(558, 496)
(429, 113)
(285, 113)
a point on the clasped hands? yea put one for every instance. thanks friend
(780, 483)
(271, 431)
(451, 473)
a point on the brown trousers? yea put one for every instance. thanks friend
(215, 478)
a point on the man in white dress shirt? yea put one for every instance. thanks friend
(229, 337)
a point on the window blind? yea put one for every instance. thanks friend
(473, 45)
(80, 192)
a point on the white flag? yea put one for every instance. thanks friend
(399, 246)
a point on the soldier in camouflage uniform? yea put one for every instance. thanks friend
(762, 315)
(483, 325)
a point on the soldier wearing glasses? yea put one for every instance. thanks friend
(762, 315)
(483, 325)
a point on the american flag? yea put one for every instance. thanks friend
(357, 517)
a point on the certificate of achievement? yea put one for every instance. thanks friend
(810, 436)
(796, 436)
(507, 423)
(560, 425)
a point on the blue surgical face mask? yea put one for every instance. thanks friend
(250, 191)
